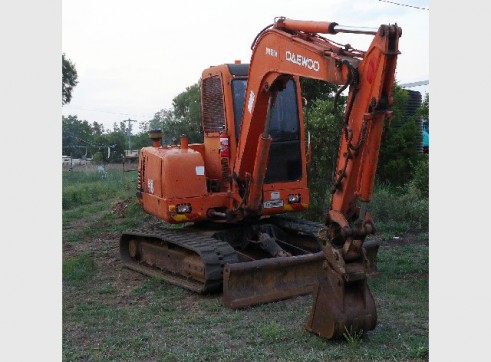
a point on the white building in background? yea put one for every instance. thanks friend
(69, 161)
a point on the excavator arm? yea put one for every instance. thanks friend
(290, 48)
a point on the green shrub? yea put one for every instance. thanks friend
(421, 178)
(400, 141)
(325, 130)
(400, 210)
(97, 158)
(399, 154)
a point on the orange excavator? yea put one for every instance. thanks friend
(235, 194)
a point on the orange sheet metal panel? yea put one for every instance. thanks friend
(153, 170)
(166, 208)
(183, 174)
(212, 156)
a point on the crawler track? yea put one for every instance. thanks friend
(181, 257)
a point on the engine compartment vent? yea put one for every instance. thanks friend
(212, 103)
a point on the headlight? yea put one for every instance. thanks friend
(294, 198)
(183, 208)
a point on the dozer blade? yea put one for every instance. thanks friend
(341, 306)
(267, 280)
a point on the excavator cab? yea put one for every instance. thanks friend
(285, 155)
(223, 94)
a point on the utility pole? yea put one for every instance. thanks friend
(129, 131)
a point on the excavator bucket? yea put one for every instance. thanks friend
(267, 280)
(342, 302)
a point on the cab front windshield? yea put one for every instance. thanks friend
(285, 157)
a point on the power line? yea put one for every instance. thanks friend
(102, 111)
(409, 6)
(87, 143)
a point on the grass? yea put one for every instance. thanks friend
(114, 314)
(78, 269)
(400, 210)
(353, 337)
(86, 188)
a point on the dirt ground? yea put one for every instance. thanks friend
(104, 248)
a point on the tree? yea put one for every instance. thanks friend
(313, 89)
(424, 110)
(325, 127)
(69, 80)
(187, 114)
(158, 121)
(114, 144)
(97, 128)
(183, 118)
(399, 161)
(76, 136)
(399, 153)
(79, 139)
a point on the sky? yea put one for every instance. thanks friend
(134, 57)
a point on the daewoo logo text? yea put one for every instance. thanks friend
(302, 61)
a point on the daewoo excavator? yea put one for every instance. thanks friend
(235, 192)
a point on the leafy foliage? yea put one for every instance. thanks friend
(424, 110)
(323, 124)
(69, 79)
(75, 136)
(399, 150)
(313, 89)
(81, 139)
(400, 200)
(187, 112)
(183, 118)
(399, 154)
(399, 209)
(325, 128)
(421, 177)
